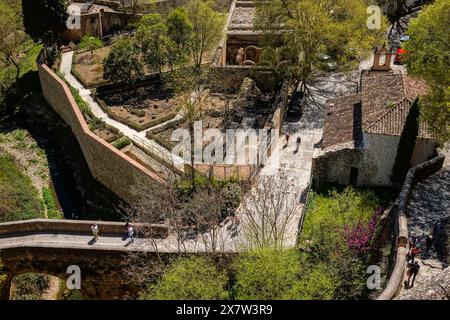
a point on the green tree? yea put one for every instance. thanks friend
(90, 43)
(207, 27)
(266, 274)
(44, 20)
(123, 61)
(307, 31)
(179, 30)
(189, 279)
(12, 35)
(153, 40)
(406, 145)
(428, 56)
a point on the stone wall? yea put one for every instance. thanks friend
(116, 171)
(229, 79)
(335, 163)
(75, 226)
(374, 163)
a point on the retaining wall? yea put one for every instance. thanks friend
(115, 170)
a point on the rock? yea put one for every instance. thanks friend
(437, 288)
(441, 232)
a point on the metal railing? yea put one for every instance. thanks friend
(160, 153)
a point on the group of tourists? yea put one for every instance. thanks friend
(128, 227)
(414, 251)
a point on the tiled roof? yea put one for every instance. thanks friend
(383, 96)
(392, 122)
(339, 120)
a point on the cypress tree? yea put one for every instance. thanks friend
(406, 145)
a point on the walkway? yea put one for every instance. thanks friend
(429, 204)
(85, 94)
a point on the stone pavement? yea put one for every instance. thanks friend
(85, 94)
(429, 204)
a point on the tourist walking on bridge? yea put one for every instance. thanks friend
(94, 229)
(130, 231)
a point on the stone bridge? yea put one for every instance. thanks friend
(51, 246)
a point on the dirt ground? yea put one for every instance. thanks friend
(142, 106)
(90, 67)
(212, 118)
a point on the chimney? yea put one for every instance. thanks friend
(382, 59)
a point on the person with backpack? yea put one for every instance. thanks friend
(413, 271)
(413, 252)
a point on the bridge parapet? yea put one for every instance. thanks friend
(76, 226)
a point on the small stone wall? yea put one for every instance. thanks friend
(75, 226)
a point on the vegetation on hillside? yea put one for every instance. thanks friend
(19, 199)
(30, 286)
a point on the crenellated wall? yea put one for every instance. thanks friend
(116, 171)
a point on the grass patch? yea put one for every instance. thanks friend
(50, 204)
(19, 199)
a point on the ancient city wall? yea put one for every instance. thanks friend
(116, 171)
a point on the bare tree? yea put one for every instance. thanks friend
(267, 214)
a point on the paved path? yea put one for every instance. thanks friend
(429, 203)
(65, 68)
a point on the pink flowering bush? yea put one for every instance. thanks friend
(359, 236)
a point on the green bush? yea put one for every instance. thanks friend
(194, 278)
(121, 143)
(30, 286)
(266, 274)
(90, 42)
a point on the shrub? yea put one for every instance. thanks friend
(194, 278)
(266, 274)
(30, 286)
(90, 42)
(121, 143)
